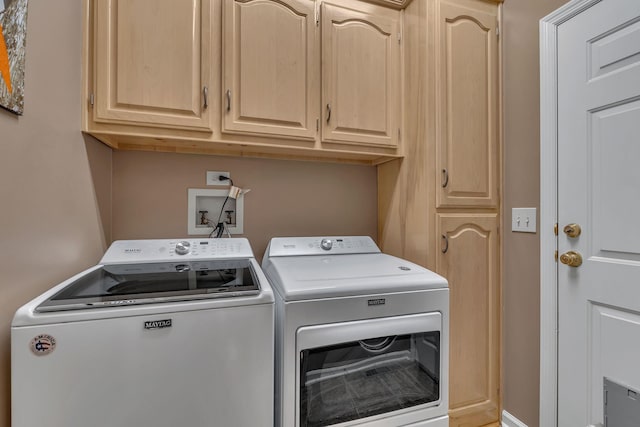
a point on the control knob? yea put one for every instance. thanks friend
(326, 244)
(183, 248)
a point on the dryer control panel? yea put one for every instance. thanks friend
(159, 250)
(335, 245)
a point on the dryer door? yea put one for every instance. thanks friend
(370, 368)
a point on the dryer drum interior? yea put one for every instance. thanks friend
(360, 379)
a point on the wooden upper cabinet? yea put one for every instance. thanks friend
(399, 4)
(360, 76)
(271, 68)
(152, 63)
(467, 147)
(468, 258)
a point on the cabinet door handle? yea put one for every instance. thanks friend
(445, 178)
(328, 112)
(445, 240)
(205, 95)
(228, 99)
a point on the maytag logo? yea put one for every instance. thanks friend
(157, 324)
(377, 301)
(132, 250)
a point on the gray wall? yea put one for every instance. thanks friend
(50, 218)
(521, 278)
(287, 198)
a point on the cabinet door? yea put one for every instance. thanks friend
(468, 258)
(152, 62)
(360, 77)
(271, 68)
(468, 92)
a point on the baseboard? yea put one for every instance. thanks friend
(509, 420)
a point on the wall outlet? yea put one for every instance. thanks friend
(523, 220)
(213, 178)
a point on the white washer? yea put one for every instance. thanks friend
(162, 333)
(361, 336)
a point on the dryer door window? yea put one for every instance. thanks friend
(368, 377)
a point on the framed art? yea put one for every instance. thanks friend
(13, 37)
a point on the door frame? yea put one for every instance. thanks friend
(549, 206)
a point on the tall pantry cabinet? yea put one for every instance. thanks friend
(440, 205)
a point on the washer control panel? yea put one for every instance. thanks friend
(157, 250)
(296, 246)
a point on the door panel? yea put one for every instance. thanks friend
(271, 68)
(469, 260)
(467, 149)
(361, 77)
(614, 154)
(615, 335)
(153, 62)
(614, 50)
(599, 189)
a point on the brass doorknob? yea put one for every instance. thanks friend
(571, 258)
(572, 230)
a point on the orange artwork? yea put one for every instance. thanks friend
(13, 38)
(4, 61)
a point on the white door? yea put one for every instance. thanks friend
(599, 189)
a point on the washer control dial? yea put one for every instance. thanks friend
(326, 244)
(183, 248)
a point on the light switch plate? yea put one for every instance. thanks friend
(523, 220)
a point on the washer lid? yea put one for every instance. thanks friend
(118, 285)
(311, 277)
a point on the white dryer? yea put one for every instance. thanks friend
(361, 336)
(160, 334)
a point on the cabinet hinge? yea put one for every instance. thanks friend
(399, 37)
(555, 256)
(399, 135)
(316, 12)
(498, 31)
(317, 125)
(555, 229)
(92, 99)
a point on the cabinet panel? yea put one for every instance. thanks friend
(271, 67)
(467, 145)
(152, 62)
(469, 259)
(360, 77)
